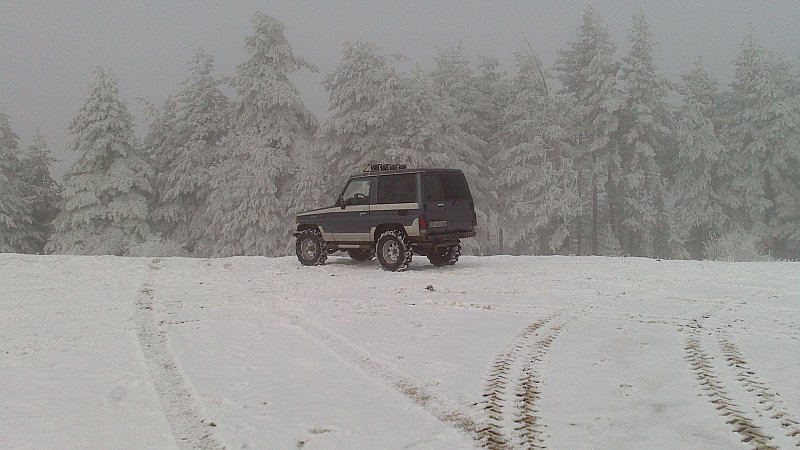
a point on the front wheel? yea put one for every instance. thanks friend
(393, 250)
(311, 249)
(444, 256)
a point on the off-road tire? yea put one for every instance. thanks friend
(444, 256)
(362, 255)
(310, 248)
(393, 250)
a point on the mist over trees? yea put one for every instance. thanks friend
(586, 157)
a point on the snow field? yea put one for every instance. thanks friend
(501, 352)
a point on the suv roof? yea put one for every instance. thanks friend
(374, 173)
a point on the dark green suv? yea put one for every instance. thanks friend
(391, 212)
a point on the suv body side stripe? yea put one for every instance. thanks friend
(335, 209)
(393, 206)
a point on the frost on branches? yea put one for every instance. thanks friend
(383, 116)
(17, 233)
(763, 138)
(182, 146)
(535, 168)
(104, 203)
(476, 105)
(35, 172)
(254, 182)
(697, 209)
(644, 151)
(587, 70)
(364, 92)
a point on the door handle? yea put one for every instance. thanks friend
(440, 204)
(363, 213)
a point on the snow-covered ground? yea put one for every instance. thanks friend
(501, 352)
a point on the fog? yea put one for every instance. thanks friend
(47, 49)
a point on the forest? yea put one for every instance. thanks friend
(600, 154)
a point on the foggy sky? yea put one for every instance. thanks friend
(47, 49)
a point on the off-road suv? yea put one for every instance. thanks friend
(391, 212)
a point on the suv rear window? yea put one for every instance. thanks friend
(397, 188)
(445, 187)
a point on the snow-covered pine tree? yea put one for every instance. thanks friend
(763, 139)
(587, 70)
(535, 167)
(254, 183)
(425, 133)
(17, 232)
(644, 147)
(35, 172)
(696, 210)
(455, 83)
(365, 92)
(104, 195)
(492, 85)
(182, 146)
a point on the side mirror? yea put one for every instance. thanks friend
(341, 202)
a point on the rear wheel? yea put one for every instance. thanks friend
(393, 250)
(311, 249)
(444, 256)
(361, 254)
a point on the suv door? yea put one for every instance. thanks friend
(350, 223)
(434, 205)
(458, 200)
(395, 200)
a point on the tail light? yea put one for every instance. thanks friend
(423, 223)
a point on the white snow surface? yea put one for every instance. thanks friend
(499, 352)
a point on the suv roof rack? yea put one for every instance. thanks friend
(380, 167)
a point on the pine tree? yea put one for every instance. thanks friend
(697, 210)
(427, 134)
(382, 116)
(182, 145)
(455, 83)
(253, 185)
(17, 232)
(35, 172)
(365, 92)
(104, 196)
(535, 168)
(763, 138)
(588, 71)
(644, 147)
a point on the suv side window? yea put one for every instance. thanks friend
(397, 188)
(431, 187)
(356, 192)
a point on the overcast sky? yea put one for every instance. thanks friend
(48, 48)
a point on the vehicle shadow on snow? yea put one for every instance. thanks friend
(415, 266)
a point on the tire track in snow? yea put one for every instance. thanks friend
(702, 364)
(768, 402)
(512, 388)
(385, 373)
(177, 400)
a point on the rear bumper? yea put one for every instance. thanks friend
(449, 238)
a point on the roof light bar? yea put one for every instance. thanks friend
(381, 167)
